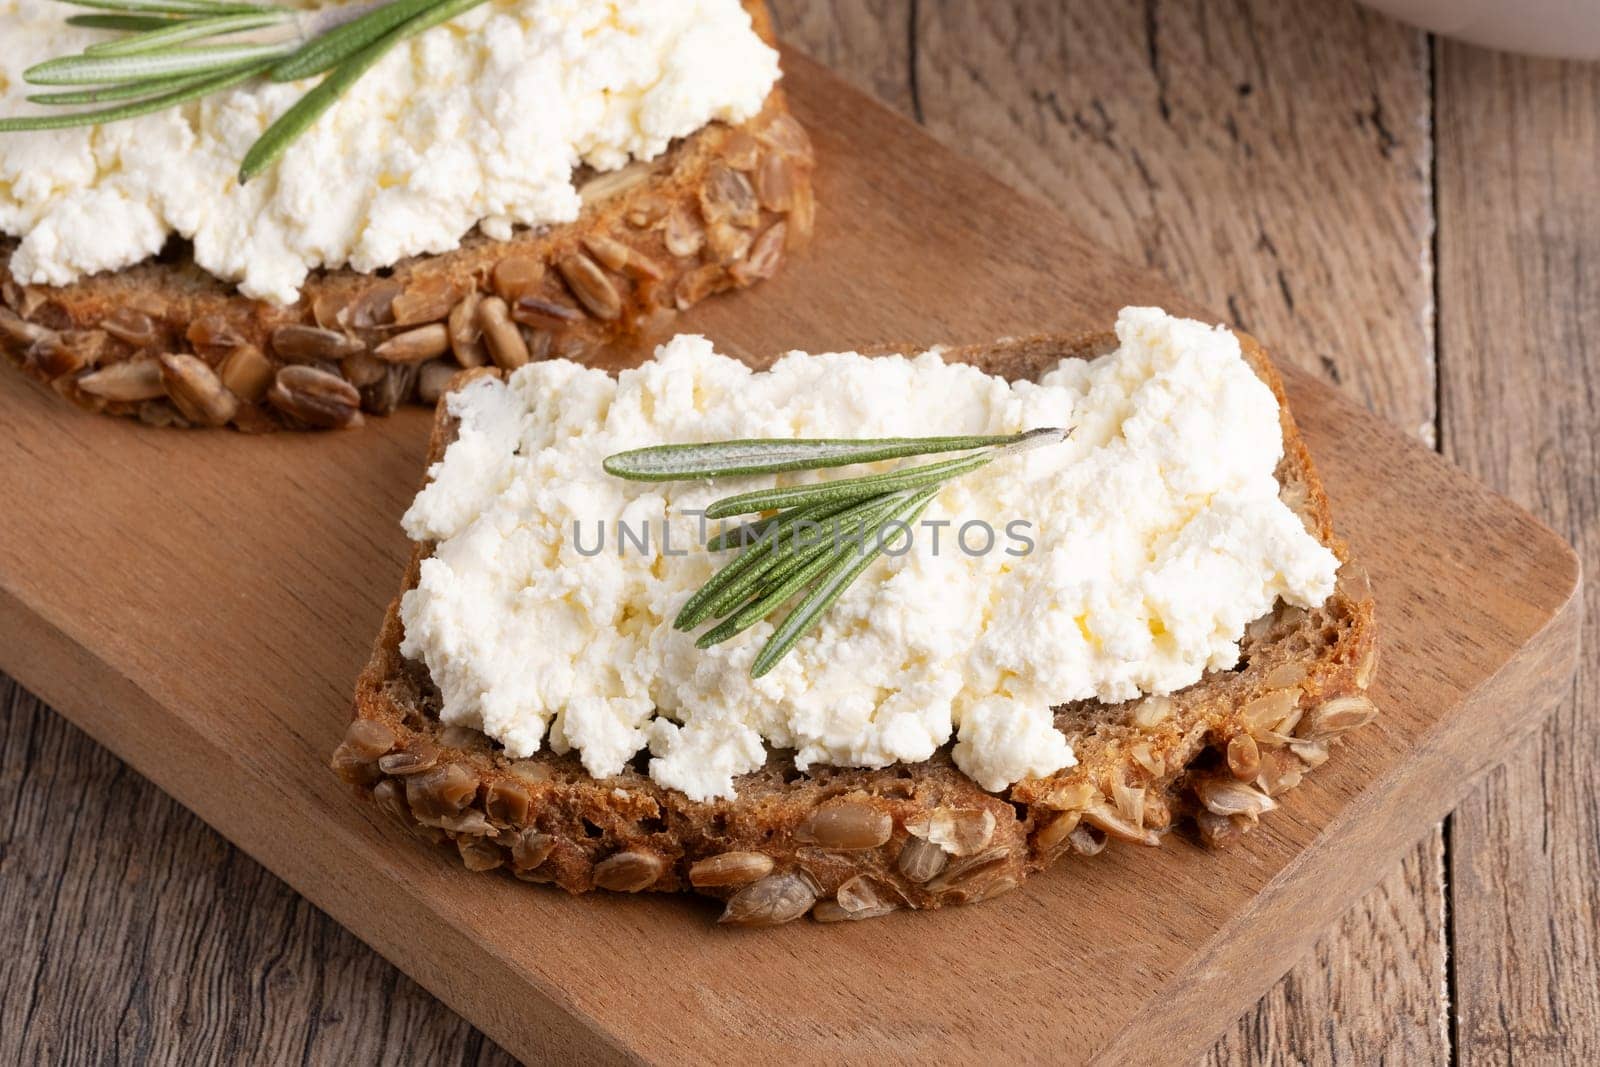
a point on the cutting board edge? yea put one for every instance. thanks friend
(1221, 971)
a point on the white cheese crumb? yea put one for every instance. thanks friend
(1157, 531)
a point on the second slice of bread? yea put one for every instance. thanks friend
(166, 343)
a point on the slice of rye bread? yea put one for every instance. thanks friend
(848, 843)
(167, 343)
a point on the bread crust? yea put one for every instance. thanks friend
(847, 843)
(718, 211)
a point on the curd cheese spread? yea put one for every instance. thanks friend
(478, 122)
(1147, 542)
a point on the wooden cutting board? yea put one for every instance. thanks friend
(201, 602)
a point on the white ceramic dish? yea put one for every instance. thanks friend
(1542, 27)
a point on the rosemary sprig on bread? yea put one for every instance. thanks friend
(819, 537)
(170, 52)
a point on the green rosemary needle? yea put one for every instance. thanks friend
(173, 51)
(845, 569)
(776, 564)
(721, 459)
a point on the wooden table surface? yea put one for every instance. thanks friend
(1415, 220)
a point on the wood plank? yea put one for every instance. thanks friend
(110, 607)
(1519, 316)
(1279, 176)
(134, 932)
(1227, 114)
(866, 42)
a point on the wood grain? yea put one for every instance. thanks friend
(1519, 314)
(211, 635)
(136, 933)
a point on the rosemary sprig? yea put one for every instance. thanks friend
(776, 564)
(720, 459)
(173, 51)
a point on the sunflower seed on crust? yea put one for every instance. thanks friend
(613, 183)
(1367, 667)
(965, 873)
(516, 277)
(1285, 675)
(764, 258)
(682, 235)
(775, 182)
(614, 255)
(726, 196)
(315, 397)
(196, 390)
(858, 898)
(846, 825)
(466, 338)
(1152, 711)
(1334, 717)
(628, 872)
(1226, 796)
(1311, 753)
(390, 798)
(591, 286)
(131, 327)
(368, 739)
(1112, 823)
(774, 900)
(958, 831)
(60, 354)
(247, 373)
(479, 855)
(730, 868)
(296, 343)
(373, 307)
(1216, 831)
(1281, 770)
(508, 801)
(1267, 714)
(1142, 754)
(20, 332)
(802, 217)
(545, 314)
(425, 300)
(920, 860)
(1129, 801)
(415, 346)
(500, 335)
(726, 242)
(131, 379)
(1053, 834)
(787, 135)
(469, 822)
(531, 848)
(363, 369)
(1244, 757)
(445, 790)
(418, 757)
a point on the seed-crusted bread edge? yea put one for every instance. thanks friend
(165, 343)
(846, 843)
